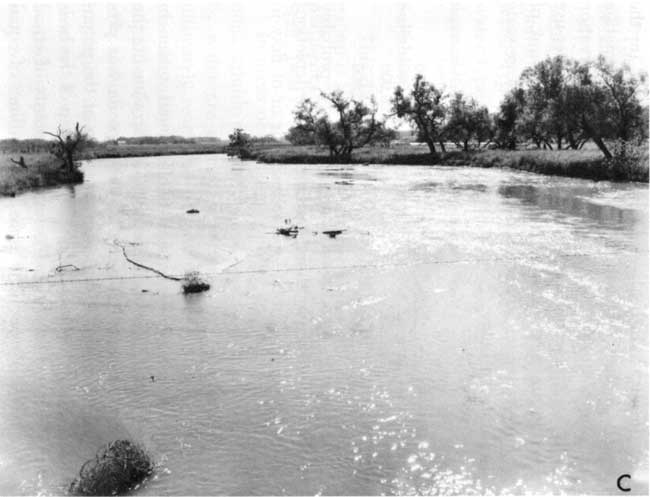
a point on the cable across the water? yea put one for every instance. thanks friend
(225, 272)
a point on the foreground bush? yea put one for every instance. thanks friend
(116, 469)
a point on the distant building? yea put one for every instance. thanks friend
(121, 142)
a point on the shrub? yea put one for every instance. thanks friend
(629, 161)
(192, 283)
(116, 469)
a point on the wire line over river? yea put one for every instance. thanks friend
(307, 268)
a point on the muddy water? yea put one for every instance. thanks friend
(471, 331)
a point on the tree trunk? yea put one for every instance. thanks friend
(69, 162)
(572, 141)
(596, 138)
(601, 145)
(465, 147)
(442, 146)
(431, 145)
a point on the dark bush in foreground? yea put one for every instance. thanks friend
(116, 469)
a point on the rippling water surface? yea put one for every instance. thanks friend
(471, 331)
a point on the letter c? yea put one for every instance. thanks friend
(619, 483)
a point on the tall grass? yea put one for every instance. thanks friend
(42, 170)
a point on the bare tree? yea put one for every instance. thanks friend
(68, 147)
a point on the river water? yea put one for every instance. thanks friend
(471, 330)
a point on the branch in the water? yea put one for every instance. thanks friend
(143, 266)
(192, 282)
(60, 269)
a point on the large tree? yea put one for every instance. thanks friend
(544, 119)
(424, 107)
(506, 120)
(567, 102)
(467, 121)
(355, 126)
(622, 89)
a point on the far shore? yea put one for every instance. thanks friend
(152, 150)
(44, 170)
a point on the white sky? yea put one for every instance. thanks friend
(201, 69)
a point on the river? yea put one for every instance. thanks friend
(471, 330)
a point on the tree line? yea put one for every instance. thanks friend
(559, 103)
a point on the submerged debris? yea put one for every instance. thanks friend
(333, 233)
(192, 283)
(116, 469)
(192, 211)
(289, 229)
(66, 267)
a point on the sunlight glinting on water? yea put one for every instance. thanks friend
(484, 333)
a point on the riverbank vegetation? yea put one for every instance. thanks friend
(39, 163)
(35, 163)
(587, 163)
(39, 170)
(564, 117)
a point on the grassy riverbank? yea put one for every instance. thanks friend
(588, 164)
(42, 170)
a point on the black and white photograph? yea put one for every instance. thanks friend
(329, 247)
